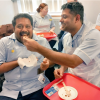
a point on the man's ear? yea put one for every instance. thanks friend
(77, 17)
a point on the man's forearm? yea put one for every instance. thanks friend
(64, 68)
(57, 57)
(52, 29)
(5, 67)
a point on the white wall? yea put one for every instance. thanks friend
(91, 9)
(6, 11)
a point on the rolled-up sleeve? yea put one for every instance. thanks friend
(52, 22)
(90, 47)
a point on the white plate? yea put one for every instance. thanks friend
(72, 90)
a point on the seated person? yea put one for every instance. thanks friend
(21, 81)
(98, 22)
(42, 22)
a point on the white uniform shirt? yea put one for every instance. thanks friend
(26, 79)
(88, 49)
(42, 24)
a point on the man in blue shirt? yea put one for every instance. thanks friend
(81, 46)
(21, 81)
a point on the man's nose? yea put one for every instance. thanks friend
(24, 29)
(61, 19)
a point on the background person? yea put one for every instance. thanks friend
(26, 83)
(81, 46)
(43, 22)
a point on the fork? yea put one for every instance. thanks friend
(67, 92)
(57, 82)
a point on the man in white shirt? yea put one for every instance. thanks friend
(81, 46)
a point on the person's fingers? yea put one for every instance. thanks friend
(61, 73)
(45, 64)
(43, 67)
(25, 39)
(51, 32)
(45, 60)
(57, 73)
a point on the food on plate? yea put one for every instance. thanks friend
(42, 35)
(62, 93)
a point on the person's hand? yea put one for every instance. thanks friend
(45, 64)
(58, 73)
(51, 32)
(30, 44)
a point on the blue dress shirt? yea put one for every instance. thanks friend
(26, 79)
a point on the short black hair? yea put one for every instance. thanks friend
(75, 8)
(22, 15)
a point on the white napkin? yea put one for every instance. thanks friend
(28, 62)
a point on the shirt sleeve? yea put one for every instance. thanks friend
(2, 52)
(90, 47)
(98, 20)
(52, 22)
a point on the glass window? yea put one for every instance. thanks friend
(30, 6)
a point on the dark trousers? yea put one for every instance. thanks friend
(49, 73)
(52, 43)
(38, 95)
(60, 44)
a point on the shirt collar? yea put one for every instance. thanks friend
(80, 32)
(38, 15)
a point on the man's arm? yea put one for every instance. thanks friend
(60, 58)
(5, 67)
(56, 57)
(52, 29)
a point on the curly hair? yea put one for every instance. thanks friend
(41, 6)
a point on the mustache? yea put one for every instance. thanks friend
(24, 33)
